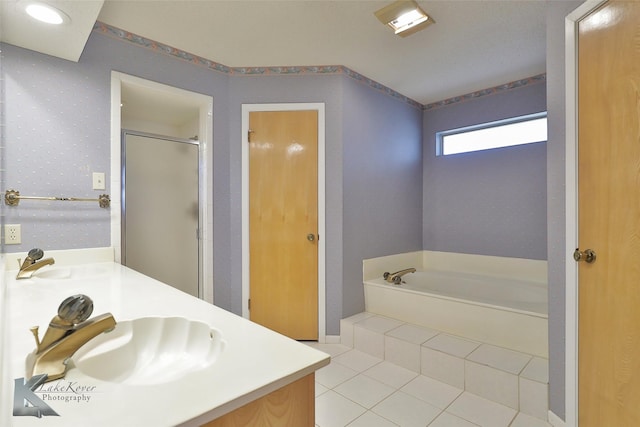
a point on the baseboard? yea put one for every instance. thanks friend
(555, 420)
(332, 339)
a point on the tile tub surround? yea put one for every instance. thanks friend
(510, 378)
(481, 317)
(360, 390)
(255, 361)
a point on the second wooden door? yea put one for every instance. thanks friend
(609, 216)
(283, 221)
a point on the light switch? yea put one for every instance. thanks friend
(98, 181)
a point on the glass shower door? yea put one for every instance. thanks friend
(160, 224)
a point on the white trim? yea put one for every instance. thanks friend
(205, 104)
(571, 218)
(246, 109)
(116, 161)
(205, 137)
(331, 339)
(555, 420)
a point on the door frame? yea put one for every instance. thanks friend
(205, 138)
(571, 213)
(319, 107)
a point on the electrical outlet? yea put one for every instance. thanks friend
(12, 234)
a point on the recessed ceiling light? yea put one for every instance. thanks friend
(405, 17)
(46, 13)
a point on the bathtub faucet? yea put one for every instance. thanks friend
(396, 278)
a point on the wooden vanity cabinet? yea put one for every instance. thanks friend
(290, 406)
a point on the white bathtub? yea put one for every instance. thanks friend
(504, 311)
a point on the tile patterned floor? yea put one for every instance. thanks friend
(359, 390)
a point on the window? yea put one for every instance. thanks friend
(503, 133)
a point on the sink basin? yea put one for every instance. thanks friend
(67, 273)
(150, 350)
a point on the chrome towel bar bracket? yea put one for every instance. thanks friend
(13, 197)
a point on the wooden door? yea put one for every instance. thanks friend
(609, 216)
(283, 221)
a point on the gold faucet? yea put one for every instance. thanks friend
(396, 278)
(67, 332)
(33, 263)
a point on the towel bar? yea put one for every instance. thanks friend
(13, 197)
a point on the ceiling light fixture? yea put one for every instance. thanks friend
(405, 17)
(46, 13)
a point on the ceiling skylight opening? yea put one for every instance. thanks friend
(405, 17)
(46, 13)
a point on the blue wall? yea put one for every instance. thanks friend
(57, 124)
(494, 203)
(491, 202)
(57, 133)
(382, 183)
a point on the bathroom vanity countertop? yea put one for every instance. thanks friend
(255, 361)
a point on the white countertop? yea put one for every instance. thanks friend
(255, 361)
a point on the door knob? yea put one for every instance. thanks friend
(587, 256)
(311, 237)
